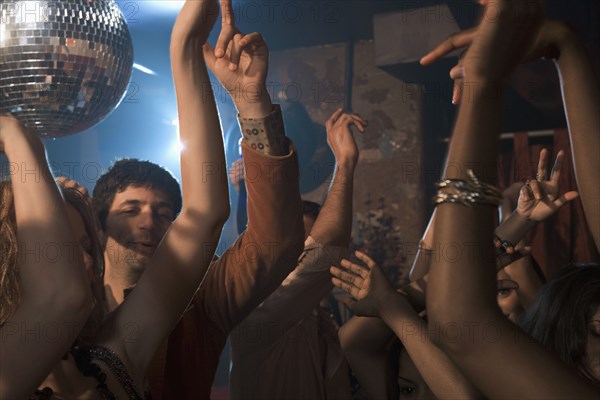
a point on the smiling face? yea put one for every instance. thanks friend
(137, 220)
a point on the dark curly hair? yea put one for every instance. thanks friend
(133, 172)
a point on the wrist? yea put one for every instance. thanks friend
(514, 228)
(255, 103)
(388, 304)
(345, 166)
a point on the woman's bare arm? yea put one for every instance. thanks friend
(183, 256)
(494, 354)
(55, 295)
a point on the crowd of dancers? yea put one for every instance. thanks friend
(132, 303)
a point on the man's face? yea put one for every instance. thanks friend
(137, 220)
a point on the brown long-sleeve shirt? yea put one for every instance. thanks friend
(235, 284)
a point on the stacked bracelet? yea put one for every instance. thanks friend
(470, 192)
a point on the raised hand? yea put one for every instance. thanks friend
(552, 36)
(228, 31)
(340, 138)
(240, 62)
(539, 198)
(367, 284)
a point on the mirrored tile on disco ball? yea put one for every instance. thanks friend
(48, 65)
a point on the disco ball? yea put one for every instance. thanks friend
(64, 64)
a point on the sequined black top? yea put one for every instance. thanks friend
(84, 358)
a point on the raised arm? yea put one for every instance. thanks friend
(54, 291)
(334, 223)
(329, 237)
(364, 340)
(182, 258)
(256, 264)
(581, 97)
(462, 289)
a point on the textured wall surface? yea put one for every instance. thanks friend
(309, 85)
(388, 201)
(388, 197)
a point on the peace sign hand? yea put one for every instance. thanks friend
(538, 199)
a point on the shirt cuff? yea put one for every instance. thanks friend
(266, 135)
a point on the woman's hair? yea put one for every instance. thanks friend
(82, 204)
(559, 317)
(9, 271)
(9, 274)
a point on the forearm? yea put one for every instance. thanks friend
(522, 272)
(256, 264)
(462, 285)
(203, 171)
(334, 223)
(364, 341)
(436, 368)
(182, 257)
(54, 291)
(581, 100)
(514, 228)
(42, 220)
(309, 281)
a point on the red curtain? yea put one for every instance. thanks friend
(564, 238)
